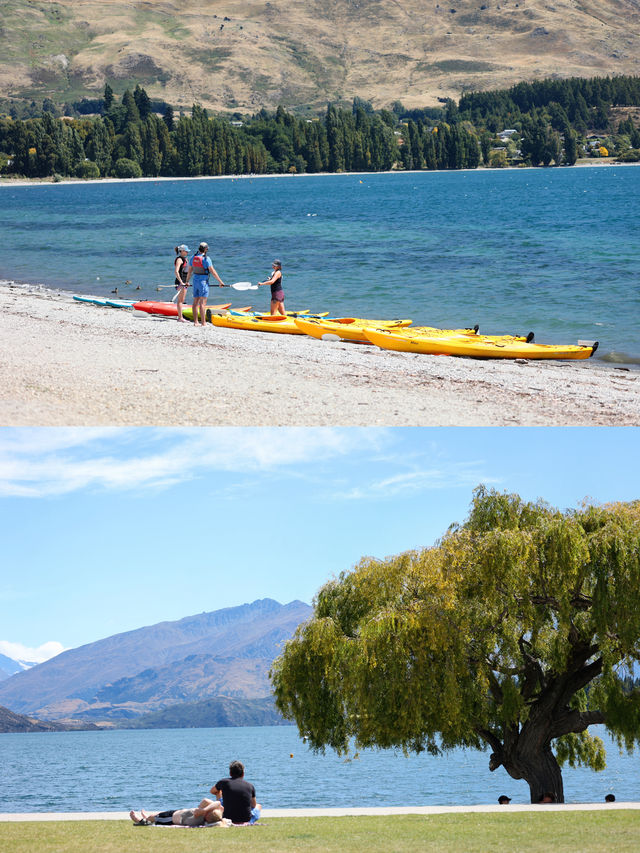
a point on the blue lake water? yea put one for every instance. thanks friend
(556, 251)
(165, 768)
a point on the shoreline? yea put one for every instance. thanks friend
(67, 363)
(347, 812)
(37, 182)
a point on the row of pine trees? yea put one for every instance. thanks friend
(129, 139)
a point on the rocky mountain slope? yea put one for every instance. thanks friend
(211, 713)
(9, 666)
(224, 653)
(18, 723)
(10, 722)
(238, 55)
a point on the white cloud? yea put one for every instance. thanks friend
(17, 652)
(453, 475)
(43, 462)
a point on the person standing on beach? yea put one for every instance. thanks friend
(181, 269)
(238, 796)
(200, 268)
(277, 293)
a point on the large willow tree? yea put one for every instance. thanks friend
(516, 632)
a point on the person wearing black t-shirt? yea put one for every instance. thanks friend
(237, 795)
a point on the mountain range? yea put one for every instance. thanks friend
(9, 666)
(225, 653)
(19, 723)
(240, 56)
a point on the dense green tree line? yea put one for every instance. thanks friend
(128, 138)
(584, 101)
(441, 147)
(552, 117)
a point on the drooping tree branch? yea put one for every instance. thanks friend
(533, 672)
(574, 722)
(577, 680)
(497, 757)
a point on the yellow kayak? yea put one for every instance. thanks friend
(430, 332)
(482, 346)
(257, 323)
(304, 312)
(347, 328)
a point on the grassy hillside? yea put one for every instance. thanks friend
(239, 55)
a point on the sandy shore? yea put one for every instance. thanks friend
(67, 363)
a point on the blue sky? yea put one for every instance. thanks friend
(107, 530)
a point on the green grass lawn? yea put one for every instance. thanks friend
(551, 831)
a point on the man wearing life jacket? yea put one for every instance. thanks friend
(201, 268)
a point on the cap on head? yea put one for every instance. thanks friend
(502, 799)
(278, 264)
(183, 248)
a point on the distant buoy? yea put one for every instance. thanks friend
(290, 755)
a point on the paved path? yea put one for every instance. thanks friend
(338, 812)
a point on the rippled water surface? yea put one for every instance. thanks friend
(167, 768)
(556, 251)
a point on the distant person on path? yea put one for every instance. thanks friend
(181, 269)
(200, 268)
(238, 796)
(610, 798)
(504, 800)
(277, 293)
(207, 812)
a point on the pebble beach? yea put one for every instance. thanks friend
(68, 363)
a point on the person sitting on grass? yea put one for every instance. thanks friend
(238, 796)
(209, 811)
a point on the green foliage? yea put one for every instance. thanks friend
(108, 98)
(548, 116)
(630, 156)
(87, 170)
(581, 749)
(570, 147)
(490, 637)
(498, 160)
(125, 168)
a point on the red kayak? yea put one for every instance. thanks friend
(170, 309)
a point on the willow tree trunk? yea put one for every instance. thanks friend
(539, 768)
